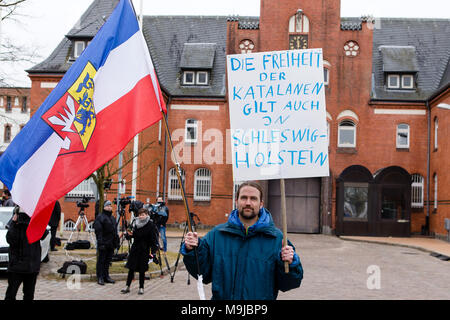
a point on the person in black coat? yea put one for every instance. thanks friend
(24, 258)
(145, 242)
(107, 240)
(53, 223)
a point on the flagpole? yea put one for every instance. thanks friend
(186, 206)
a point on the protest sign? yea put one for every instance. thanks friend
(277, 115)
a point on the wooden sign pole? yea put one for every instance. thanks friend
(284, 220)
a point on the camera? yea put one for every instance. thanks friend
(124, 201)
(135, 206)
(83, 203)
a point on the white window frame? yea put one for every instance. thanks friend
(16, 101)
(197, 78)
(76, 49)
(236, 185)
(299, 26)
(417, 185)
(403, 81)
(194, 125)
(389, 81)
(185, 73)
(84, 189)
(402, 130)
(202, 184)
(174, 188)
(435, 178)
(69, 225)
(158, 178)
(436, 127)
(1, 101)
(347, 128)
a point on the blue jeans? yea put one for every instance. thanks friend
(162, 233)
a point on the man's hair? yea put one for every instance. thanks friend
(253, 184)
(6, 191)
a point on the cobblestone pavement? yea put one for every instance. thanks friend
(333, 269)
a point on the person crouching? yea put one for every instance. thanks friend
(145, 241)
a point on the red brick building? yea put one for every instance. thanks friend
(387, 99)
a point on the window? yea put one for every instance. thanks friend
(435, 178)
(191, 131)
(407, 81)
(69, 225)
(16, 101)
(235, 189)
(400, 81)
(8, 104)
(417, 191)
(355, 201)
(436, 126)
(1, 101)
(7, 134)
(403, 136)
(79, 48)
(347, 134)
(174, 190)
(326, 76)
(202, 185)
(189, 77)
(159, 130)
(299, 23)
(200, 78)
(393, 81)
(84, 189)
(158, 178)
(246, 46)
(24, 104)
(351, 48)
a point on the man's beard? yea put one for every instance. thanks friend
(248, 215)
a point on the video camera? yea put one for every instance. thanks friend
(83, 203)
(124, 201)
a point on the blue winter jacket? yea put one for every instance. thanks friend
(244, 265)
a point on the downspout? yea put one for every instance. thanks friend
(427, 218)
(165, 151)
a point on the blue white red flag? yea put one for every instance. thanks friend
(110, 94)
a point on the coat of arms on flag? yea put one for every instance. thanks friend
(73, 116)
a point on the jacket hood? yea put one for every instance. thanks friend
(264, 223)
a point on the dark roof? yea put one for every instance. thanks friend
(166, 37)
(198, 55)
(245, 22)
(86, 27)
(399, 58)
(430, 39)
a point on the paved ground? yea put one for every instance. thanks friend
(333, 269)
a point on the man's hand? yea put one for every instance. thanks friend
(287, 254)
(191, 240)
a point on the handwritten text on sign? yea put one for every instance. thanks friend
(277, 115)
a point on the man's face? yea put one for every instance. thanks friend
(249, 202)
(159, 199)
(5, 196)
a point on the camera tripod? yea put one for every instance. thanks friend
(123, 223)
(82, 219)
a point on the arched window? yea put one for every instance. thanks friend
(84, 189)
(174, 188)
(435, 178)
(298, 31)
(246, 46)
(69, 225)
(7, 135)
(436, 126)
(202, 185)
(417, 191)
(347, 134)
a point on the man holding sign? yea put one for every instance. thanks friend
(244, 257)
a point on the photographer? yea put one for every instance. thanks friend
(161, 216)
(107, 240)
(145, 241)
(24, 258)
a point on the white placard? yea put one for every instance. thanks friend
(277, 115)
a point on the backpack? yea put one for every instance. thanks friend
(73, 267)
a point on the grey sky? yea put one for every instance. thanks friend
(45, 22)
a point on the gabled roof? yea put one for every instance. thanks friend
(198, 56)
(86, 27)
(167, 37)
(399, 58)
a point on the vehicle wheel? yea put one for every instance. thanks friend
(46, 259)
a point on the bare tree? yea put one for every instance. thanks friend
(109, 170)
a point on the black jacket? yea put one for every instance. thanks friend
(56, 215)
(161, 214)
(145, 241)
(23, 256)
(106, 231)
